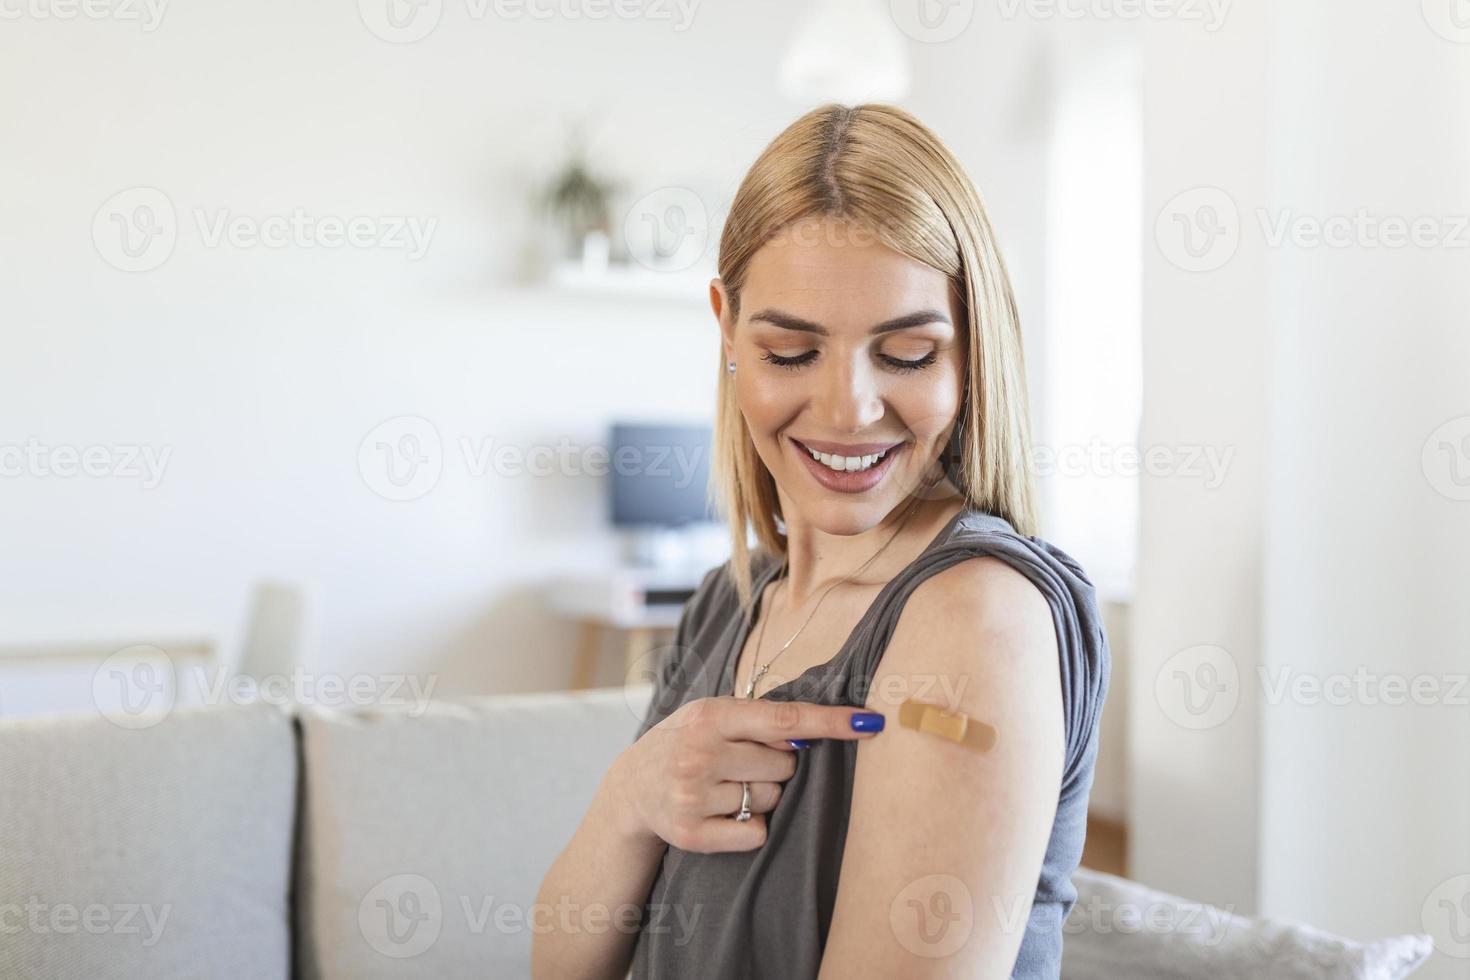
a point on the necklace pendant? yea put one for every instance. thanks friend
(750, 688)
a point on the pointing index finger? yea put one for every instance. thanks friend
(761, 720)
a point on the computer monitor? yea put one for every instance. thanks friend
(660, 475)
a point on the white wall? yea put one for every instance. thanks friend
(1194, 784)
(1338, 547)
(1092, 351)
(1368, 550)
(262, 370)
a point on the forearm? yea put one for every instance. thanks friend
(595, 891)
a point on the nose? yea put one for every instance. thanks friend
(849, 399)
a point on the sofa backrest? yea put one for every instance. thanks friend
(178, 850)
(424, 839)
(161, 851)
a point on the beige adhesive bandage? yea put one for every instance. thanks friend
(953, 725)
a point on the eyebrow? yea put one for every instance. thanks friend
(916, 319)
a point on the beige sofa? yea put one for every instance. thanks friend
(246, 842)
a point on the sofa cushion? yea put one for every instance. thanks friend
(425, 834)
(1120, 928)
(160, 852)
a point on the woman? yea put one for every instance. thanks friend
(772, 818)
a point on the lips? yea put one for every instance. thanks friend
(855, 449)
(849, 481)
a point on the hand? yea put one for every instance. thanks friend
(682, 778)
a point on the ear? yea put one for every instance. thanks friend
(719, 301)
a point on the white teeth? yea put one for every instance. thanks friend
(848, 464)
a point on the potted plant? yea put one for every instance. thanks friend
(579, 201)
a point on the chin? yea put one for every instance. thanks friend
(832, 514)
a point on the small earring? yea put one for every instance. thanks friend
(730, 366)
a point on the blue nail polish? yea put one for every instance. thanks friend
(798, 743)
(867, 721)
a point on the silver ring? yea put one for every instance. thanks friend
(744, 813)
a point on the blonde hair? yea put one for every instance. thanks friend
(879, 168)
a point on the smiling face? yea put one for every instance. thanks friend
(846, 348)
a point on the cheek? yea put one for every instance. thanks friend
(928, 407)
(767, 400)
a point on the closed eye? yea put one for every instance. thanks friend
(894, 363)
(789, 362)
(899, 364)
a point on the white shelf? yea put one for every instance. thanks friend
(636, 281)
(617, 596)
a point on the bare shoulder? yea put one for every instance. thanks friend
(983, 633)
(976, 638)
(983, 595)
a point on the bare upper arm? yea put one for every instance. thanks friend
(945, 844)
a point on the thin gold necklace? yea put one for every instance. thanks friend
(757, 674)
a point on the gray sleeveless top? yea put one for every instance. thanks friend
(765, 913)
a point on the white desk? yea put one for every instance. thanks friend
(641, 635)
(614, 601)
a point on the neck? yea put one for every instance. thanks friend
(816, 559)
